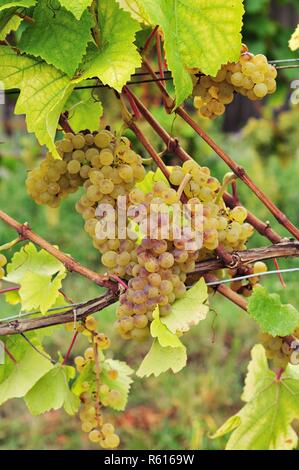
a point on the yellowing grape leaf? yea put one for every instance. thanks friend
(39, 275)
(264, 423)
(272, 316)
(52, 392)
(84, 111)
(116, 58)
(161, 332)
(17, 379)
(189, 310)
(122, 383)
(59, 39)
(77, 7)
(197, 34)
(21, 3)
(160, 359)
(294, 40)
(43, 93)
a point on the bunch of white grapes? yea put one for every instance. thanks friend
(92, 421)
(252, 76)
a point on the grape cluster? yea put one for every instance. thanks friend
(54, 179)
(220, 224)
(92, 421)
(160, 270)
(279, 349)
(3, 262)
(252, 76)
(245, 287)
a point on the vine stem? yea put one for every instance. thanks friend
(27, 234)
(97, 367)
(242, 258)
(173, 146)
(63, 122)
(227, 292)
(9, 289)
(238, 170)
(66, 358)
(149, 40)
(79, 312)
(10, 355)
(160, 58)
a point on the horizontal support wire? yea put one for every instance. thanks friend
(152, 80)
(247, 276)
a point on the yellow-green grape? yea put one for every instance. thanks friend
(3, 260)
(259, 267)
(89, 354)
(111, 441)
(136, 196)
(176, 176)
(94, 436)
(79, 361)
(86, 426)
(106, 157)
(107, 429)
(103, 139)
(109, 259)
(91, 323)
(102, 341)
(73, 167)
(239, 214)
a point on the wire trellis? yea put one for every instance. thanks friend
(288, 65)
(211, 284)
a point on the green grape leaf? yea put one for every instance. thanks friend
(21, 3)
(76, 7)
(273, 317)
(59, 39)
(39, 275)
(117, 57)
(199, 34)
(43, 93)
(294, 40)
(161, 332)
(122, 383)
(160, 359)
(189, 310)
(84, 111)
(17, 379)
(52, 392)
(264, 423)
(8, 22)
(136, 10)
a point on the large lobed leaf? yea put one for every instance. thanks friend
(40, 276)
(117, 57)
(60, 39)
(272, 316)
(44, 91)
(264, 423)
(17, 379)
(204, 34)
(52, 392)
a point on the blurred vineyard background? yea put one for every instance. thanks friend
(172, 411)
